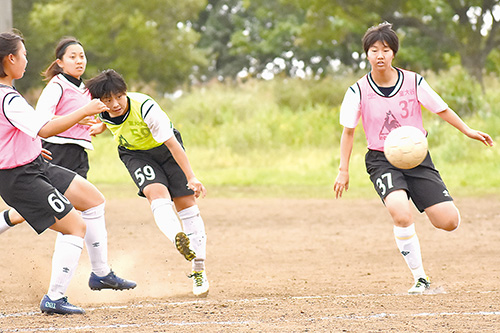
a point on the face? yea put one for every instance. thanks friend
(19, 61)
(73, 61)
(380, 56)
(117, 104)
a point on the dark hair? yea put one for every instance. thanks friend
(106, 83)
(383, 33)
(61, 47)
(9, 44)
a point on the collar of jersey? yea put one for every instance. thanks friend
(77, 82)
(397, 86)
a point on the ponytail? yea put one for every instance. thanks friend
(54, 68)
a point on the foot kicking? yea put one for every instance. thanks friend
(420, 286)
(200, 283)
(59, 306)
(110, 281)
(182, 244)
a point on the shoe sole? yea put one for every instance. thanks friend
(202, 295)
(182, 244)
(109, 288)
(51, 313)
(418, 292)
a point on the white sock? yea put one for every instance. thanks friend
(96, 239)
(165, 218)
(64, 262)
(4, 221)
(194, 227)
(409, 246)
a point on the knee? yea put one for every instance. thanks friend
(444, 216)
(449, 222)
(402, 219)
(94, 212)
(452, 224)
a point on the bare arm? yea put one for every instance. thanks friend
(346, 144)
(60, 124)
(453, 119)
(181, 158)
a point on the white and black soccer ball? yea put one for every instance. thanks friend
(405, 147)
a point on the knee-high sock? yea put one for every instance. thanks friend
(64, 262)
(5, 221)
(409, 246)
(165, 218)
(194, 227)
(96, 239)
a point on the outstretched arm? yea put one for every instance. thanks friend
(452, 118)
(60, 124)
(181, 158)
(342, 180)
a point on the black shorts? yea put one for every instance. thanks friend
(155, 165)
(423, 184)
(36, 191)
(68, 155)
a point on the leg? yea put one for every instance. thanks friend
(398, 205)
(89, 200)
(83, 194)
(86, 198)
(166, 218)
(194, 227)
(444, 215)
(9, 218)
(64, 262)
(406, 237)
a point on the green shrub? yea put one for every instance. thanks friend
(282, 137)
(462, 93)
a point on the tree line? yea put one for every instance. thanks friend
(168, 43)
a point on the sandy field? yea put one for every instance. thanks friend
(274, 265)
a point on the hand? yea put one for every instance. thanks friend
(46, 154)
(198, 188)
(481, 136)
(89, 121)
(97, 128)
(94, 107)
(341, 183)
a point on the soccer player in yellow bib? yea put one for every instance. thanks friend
(151, 149)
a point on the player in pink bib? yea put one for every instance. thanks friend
(64, 93)
(49, 196)
(384, 99)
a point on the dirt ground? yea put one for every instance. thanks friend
(274, 265)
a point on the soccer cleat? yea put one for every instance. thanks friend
(110, 281)
(182, 244)
(420, 286)
(200, 283)
(60, 306)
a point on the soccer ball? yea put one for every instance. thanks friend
(405, 147)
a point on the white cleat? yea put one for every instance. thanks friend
(421, 285)
(200, 283)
